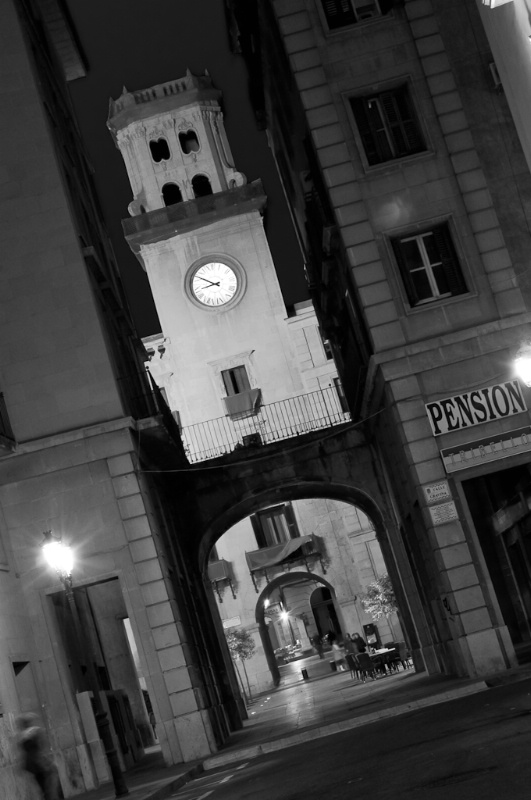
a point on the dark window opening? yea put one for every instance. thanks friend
(201, 186)
(341, 395)
(387, 125)
(171, 194)
(189, 142)
(275, 525)
(327, 347)
(235, 380)
(160, 150)
(429, 266)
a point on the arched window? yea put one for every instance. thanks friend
(201, 186)
(171, 194)
(189, 142)
(160, 150)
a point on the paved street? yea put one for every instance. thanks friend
(478, 746)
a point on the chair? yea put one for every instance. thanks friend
(379, 664)
(353, 665)
(400, 656)
(403, 655)
(366, 666)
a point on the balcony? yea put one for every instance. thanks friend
(273, 423)
(280, 557)
(220, 575)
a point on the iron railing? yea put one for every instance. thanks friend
(273, 422)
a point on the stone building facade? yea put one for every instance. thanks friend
(78, 418)
(400, 138)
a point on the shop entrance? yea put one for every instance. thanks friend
(500, 505)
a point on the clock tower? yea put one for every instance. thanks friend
(196, 226)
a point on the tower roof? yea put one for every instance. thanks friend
(145, 103)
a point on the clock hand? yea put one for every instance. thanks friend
(207, 281)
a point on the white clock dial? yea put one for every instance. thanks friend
(214, 284)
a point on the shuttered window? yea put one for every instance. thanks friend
(340, 13)
(275, 525)
(429, 266)
(387, 125)
(235, 380)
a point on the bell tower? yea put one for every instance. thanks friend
(173, 142)
(196, 227)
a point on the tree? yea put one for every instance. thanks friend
(242, 646)
(379, 598)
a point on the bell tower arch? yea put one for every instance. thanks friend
(173, 133)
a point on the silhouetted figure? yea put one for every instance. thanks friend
(318, 644)
(359, 643)
(36, 758)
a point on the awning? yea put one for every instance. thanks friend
(243, 404)
(269, 556)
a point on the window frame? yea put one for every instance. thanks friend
(236, 380)
(368, 135)
(260, 532)
(155, 141)
(384, 10)
(452, 262)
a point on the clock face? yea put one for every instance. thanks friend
(214, 284)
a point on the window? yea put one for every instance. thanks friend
(201, 186)
(429, 266)
(189, 142)
(171, 194)
(387, 125)
(327, 347)
(160, 150)
(235, 380)
(275, 525)
(340, 13)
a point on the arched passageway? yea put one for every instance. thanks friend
(207, 502)
(268, 566)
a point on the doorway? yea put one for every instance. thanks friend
(324, 613)
(500, 505)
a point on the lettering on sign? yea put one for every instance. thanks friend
(474, 408)
(445, 512)
(490, 448)
(436, 491)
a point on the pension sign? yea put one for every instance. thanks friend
(473, 408)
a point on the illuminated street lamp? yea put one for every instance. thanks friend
(522, 365)
(60, 557)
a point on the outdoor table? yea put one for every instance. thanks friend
(384, 654)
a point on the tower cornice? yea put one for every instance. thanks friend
(163, 223)
(164, 97)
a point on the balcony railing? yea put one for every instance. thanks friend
(273, 423)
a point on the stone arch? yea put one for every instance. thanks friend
(201, 186)
(280, 580)
(295, 490)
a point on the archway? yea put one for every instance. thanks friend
(306, 571)
(290, 579)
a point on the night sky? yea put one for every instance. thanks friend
(140, 43)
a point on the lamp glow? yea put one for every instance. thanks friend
(284, 616)
(522, 366)
(58, 554)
